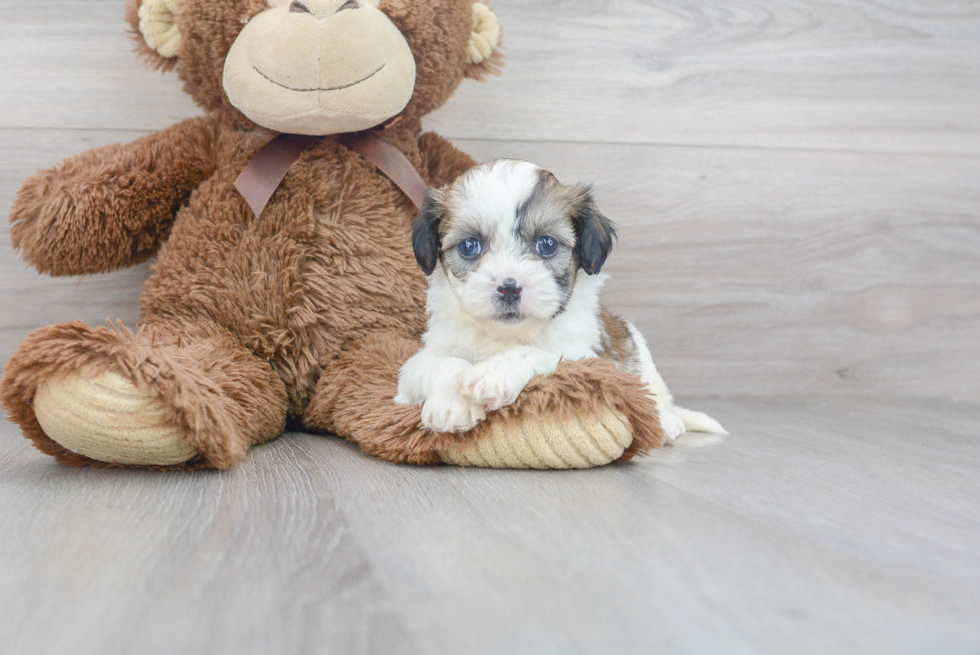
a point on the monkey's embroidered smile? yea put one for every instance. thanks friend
(332, 88)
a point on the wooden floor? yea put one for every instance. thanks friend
(797, 185)
(821, 526)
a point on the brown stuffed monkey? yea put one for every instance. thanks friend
(307, 310)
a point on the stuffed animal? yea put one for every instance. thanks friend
(304, 305)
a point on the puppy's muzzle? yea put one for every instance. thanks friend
(510, 291)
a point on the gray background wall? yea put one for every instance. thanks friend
(797, 182)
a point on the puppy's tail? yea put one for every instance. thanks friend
(698, 422)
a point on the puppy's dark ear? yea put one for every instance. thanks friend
(594, 233)
(425, 232)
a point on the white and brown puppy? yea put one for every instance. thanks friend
(513, 259)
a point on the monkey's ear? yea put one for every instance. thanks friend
(594, 233)
(483, 56)
(153, 25)
(425, 232)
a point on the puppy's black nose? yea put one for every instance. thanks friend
(510, 291)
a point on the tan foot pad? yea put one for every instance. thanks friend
(107, 418)
(547, 443)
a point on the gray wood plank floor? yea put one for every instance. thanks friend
(796, 187)
(822, 526)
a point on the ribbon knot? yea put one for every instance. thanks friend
(263, 175)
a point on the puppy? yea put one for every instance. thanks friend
(514, 259)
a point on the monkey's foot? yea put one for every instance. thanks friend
(547, 442)
(108, 419)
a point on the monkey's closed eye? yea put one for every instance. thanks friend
(298, 7)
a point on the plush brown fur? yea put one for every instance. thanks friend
(114, 206)
(227, 398)
(242, 314)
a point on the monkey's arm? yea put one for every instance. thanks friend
(114, 206)
(442, 162)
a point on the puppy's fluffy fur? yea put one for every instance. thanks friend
(514, 259)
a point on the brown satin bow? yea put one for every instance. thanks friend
(268, 168)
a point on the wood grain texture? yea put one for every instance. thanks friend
(820, 526)
(788, 272)
(882, 75)
(259, 560)
(750, 271)
(870, 75)
(840, 526)
(70, 65)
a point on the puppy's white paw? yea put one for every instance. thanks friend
(672, 424)
(490, 386)
(450, 412)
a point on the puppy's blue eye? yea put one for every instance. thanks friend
(470, 248)
(546, 247)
